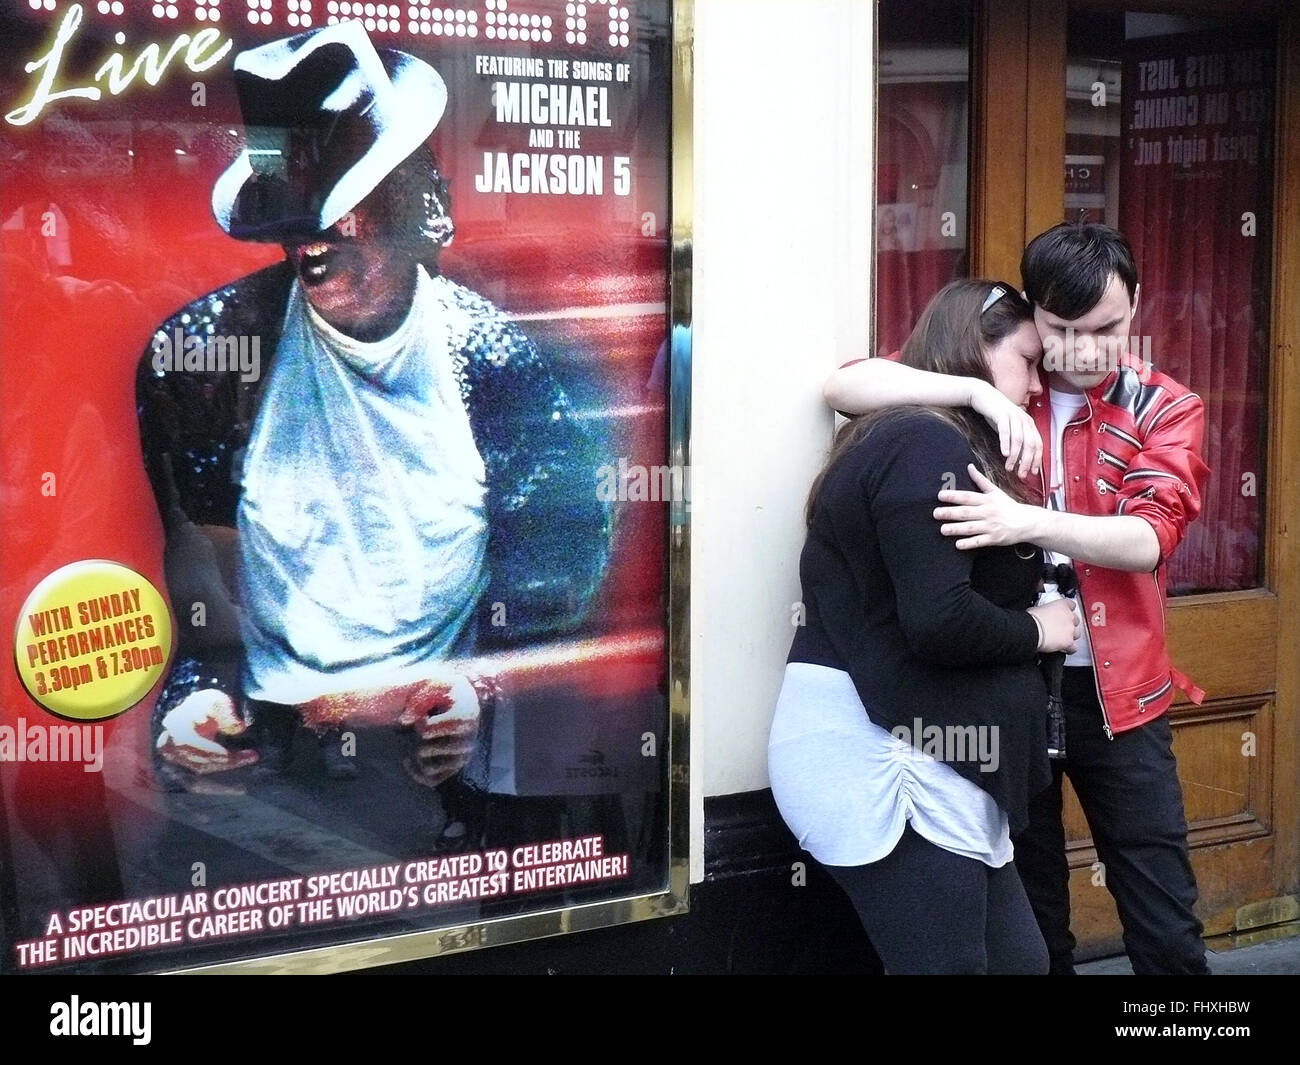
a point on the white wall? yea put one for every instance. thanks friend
(782, 285)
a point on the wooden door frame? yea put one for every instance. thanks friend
(1283, 514)
(1020, 143)
(1017, 172)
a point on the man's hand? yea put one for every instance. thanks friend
(990, 517)
(444, 712)
(442, 709)
(190, 730)
(987, 518)
(1018, 437)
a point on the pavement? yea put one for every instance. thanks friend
(1269, 952)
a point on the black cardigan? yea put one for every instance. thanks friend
(925, 631)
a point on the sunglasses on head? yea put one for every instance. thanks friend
(995, 294)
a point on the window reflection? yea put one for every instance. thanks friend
(1169, 138)
(922, 136)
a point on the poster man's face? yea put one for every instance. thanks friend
(359, 282)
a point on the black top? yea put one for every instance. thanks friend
(926, 631)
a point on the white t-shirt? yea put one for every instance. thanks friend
(1065, 405)
(847, 788)
(362, 532)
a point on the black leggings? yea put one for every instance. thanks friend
(927, 910)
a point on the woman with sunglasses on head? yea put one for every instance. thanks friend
(910, 731)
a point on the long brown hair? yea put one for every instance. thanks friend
(950, 337)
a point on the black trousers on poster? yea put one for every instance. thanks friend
(1128, 788)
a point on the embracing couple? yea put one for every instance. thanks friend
(983, 582)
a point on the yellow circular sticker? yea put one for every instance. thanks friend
(92, 639)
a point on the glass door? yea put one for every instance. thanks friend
(1174, 127)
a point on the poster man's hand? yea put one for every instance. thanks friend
(190, 730)
(444, 712)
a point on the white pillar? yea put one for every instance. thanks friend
(782, 293)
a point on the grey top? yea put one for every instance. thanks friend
(846, 787)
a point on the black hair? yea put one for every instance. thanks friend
(1065, 269)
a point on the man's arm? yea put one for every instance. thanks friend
(867, 385)
(1165, 480)
(197, 704)
(550, 530)
(1161, 495)
(1120, 542)
(989, 517)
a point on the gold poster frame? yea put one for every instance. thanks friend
(436, 942)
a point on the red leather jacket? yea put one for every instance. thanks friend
(1134, 448)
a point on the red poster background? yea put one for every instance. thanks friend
(128, 180)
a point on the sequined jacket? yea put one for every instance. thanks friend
(548, 532)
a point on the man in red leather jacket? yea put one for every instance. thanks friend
(1122, 478)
